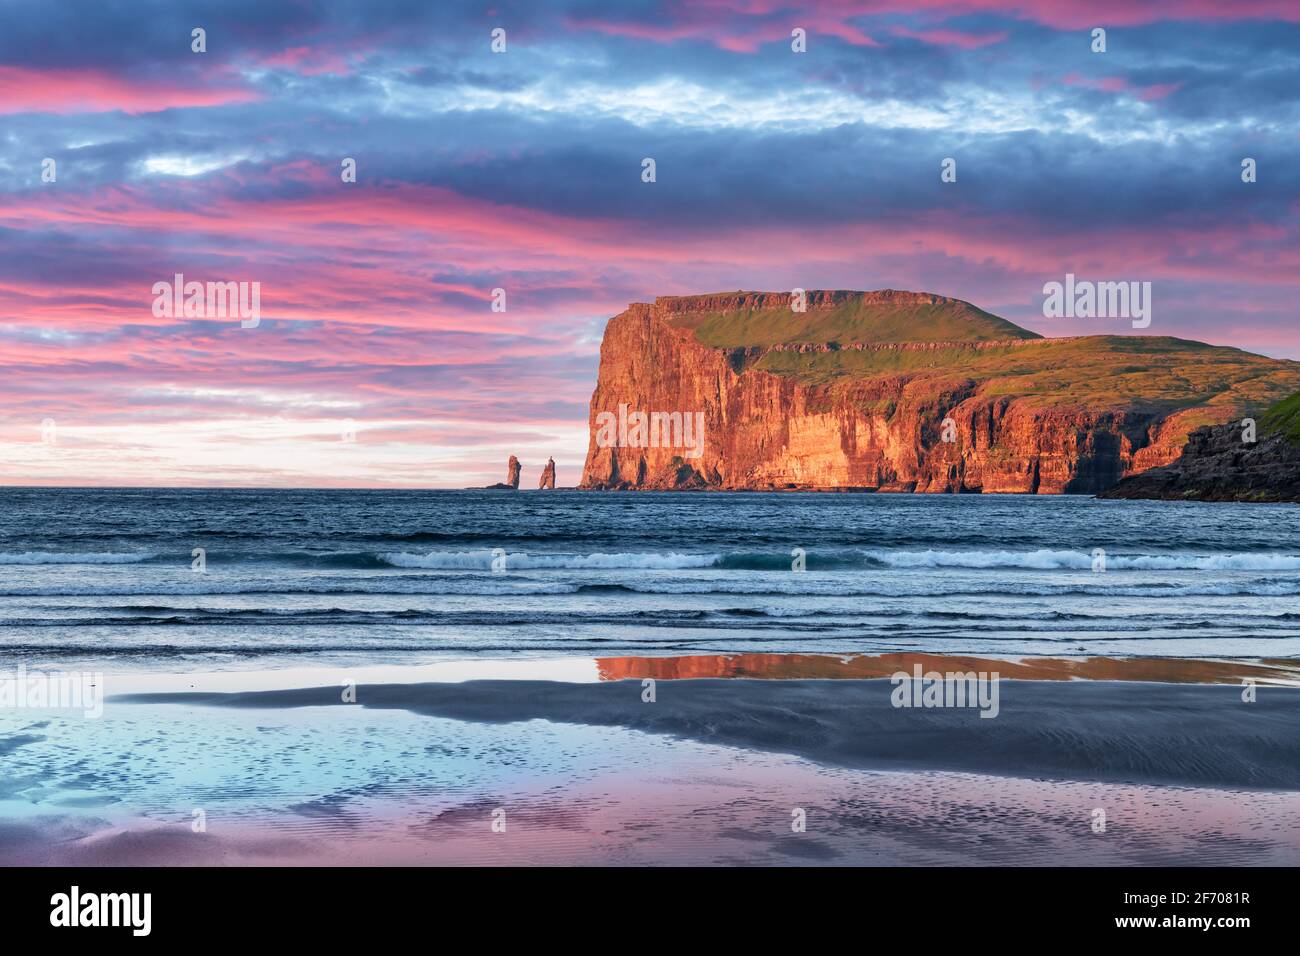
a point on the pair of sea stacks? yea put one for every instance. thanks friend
(512, 475)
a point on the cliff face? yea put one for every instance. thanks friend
(548, 475)
(860, 392)
(1219, 465)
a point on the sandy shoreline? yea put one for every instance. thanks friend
(709, 773)
(1119, 732)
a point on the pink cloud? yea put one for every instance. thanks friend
(1108, 84)
(360, 258)
(1158, 91)
(965, 41)
(744, 25)
(1119, 84)
(93, 91)
(307, 61)
(738, 36)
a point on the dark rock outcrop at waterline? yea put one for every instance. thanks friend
(1218, 465)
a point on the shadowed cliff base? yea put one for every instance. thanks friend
(902, 391)
(1182, 734)
(1230, 462)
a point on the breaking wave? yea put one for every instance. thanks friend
(46, 557)
(1048, 560)
(482, 561)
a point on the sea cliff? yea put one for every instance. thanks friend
(902, 391)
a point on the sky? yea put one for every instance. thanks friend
(522, 170)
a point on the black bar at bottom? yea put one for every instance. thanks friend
(298, 906)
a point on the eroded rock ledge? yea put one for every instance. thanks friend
(1217, 465)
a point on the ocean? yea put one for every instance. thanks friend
(116, 577)
(342, 677)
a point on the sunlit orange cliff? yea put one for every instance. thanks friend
(900, 391)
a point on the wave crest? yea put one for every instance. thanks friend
(1045, 559)
(482, 561)
(47, 557)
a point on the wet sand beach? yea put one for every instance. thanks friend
(714, 771)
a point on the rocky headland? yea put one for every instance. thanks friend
(899, 391)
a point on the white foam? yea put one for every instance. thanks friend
(45, 557)
(1045, 559)
(482, 561)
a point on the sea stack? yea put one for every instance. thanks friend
(512, 477)
(548, 475)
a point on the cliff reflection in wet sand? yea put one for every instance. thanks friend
(818, 666)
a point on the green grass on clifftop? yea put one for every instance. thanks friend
(1155, 372)
(1284, 417)
(852, 321)
(1151, 372)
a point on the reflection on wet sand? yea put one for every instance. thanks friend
(820, 666)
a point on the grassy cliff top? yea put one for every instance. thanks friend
(1113, 371)
(848, 338)
(1284, 417)
(741, 319)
